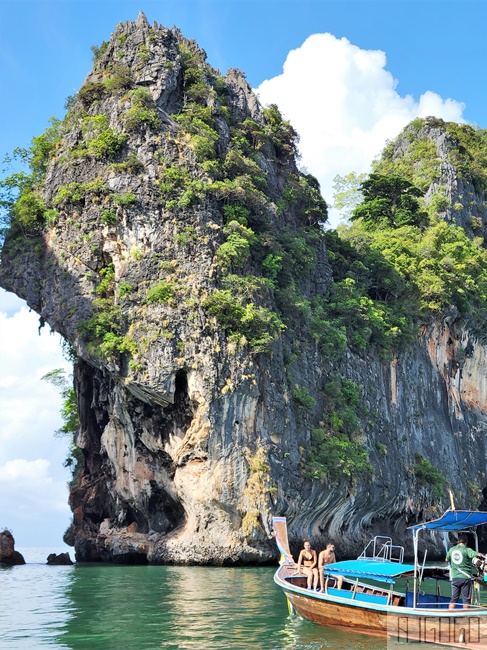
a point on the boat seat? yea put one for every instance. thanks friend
(365, 598)
(342, 593)
(372, 598)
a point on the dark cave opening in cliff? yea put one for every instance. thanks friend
(164, 512)
(180, 383)
(177, 417)
(182, 405)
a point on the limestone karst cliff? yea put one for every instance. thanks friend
(166, 232)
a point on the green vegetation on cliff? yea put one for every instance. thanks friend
(224, 178)
(399, 249)
(337, 450)
(194, 170)
(420, 162)
(69, 415)
(22, 207)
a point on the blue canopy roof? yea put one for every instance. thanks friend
(454, 520)
(380, 570)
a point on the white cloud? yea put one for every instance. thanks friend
(33, 480)
(20, 469)
(10, 303)
(33, 504)
(5, 382)
(344, 104)
(34, 486)
(29, 406)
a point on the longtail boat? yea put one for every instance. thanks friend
(368, 602)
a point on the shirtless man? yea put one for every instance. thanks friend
(308, 559)
(325, 558)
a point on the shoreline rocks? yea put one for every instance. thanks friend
(61, 559)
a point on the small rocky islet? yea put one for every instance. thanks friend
(8, 555)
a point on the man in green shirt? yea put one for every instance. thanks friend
(460, 558)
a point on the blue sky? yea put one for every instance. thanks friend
(348, 74)
(436, 45)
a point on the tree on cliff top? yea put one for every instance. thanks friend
(390, 200)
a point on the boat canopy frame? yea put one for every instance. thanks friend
(451, 521)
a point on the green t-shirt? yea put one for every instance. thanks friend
(460, 558)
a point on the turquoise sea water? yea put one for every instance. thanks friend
(107, 607)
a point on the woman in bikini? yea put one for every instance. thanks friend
(309, 560)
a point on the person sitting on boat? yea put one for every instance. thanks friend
(308, 559)
(325, 558)
(462, 569)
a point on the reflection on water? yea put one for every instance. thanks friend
(297, 633)
(173, 607)
(147, 607)
(34, 605)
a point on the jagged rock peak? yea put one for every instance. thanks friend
(142, 20)
(153, 57)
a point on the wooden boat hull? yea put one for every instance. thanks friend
(333, 614)
(465, 628)
(412, 616)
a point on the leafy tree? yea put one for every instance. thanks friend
(235, 250)
(142, 111)
(284, 136)
(107, 144)
(347, 193)
(44, 148)
(429, 476)
(29, 209)
(162, 291)
(390, 200)
(69, 414)
(244, 321)
(20, 200)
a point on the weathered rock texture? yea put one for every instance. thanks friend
(59, 559)
(8, 555)
(193, 440)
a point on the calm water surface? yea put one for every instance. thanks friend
(150, 607)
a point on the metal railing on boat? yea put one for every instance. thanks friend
(382, 548)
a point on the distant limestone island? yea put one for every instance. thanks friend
(10, 557)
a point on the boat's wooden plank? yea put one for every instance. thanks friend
(422, 627)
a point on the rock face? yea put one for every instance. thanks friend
(8, 555)
(176, 230)
(464, 202)
(59, 559)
